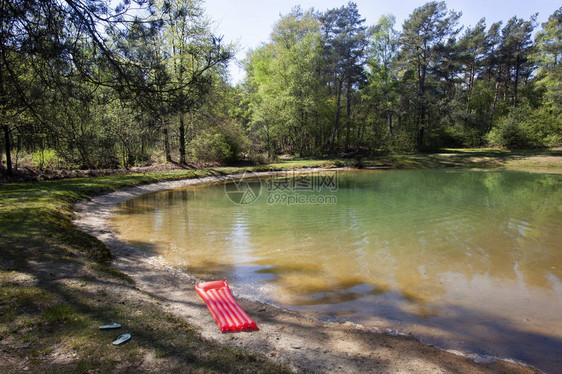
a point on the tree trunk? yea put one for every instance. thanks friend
(18, 150)
(420, 134)
(183, 159)
(348, 114)
(303, 133)
(506, 84)
(494, 103)
(8, 149)
(167, 145)
(497, 90)
(360, 132)
(422, 74)
(421, 124)
(389, 121)
(268, 142)
(2, 112)
(517, 62)
(471, 80)
(337, 121)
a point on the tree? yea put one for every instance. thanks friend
(382, 75)
(424, 34)
(345, 42)
(549, 58)
(263, 89)
(286, 85)
(471, 53)
(515, 52)
(190, 53)
(53, 46)
(297, 66)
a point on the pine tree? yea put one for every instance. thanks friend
(423, 37)
(345, 41)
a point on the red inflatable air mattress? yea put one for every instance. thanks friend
(223, 307)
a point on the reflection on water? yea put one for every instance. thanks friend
(467, 260)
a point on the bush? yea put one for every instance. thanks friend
(548, 122)
(515, 131)
(462, 136)
(45, 159)
(401, 142)
(214, 147)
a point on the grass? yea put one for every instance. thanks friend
(54, 329)
(548, 160)
(56, 285)
(480, 158)
(56, 288)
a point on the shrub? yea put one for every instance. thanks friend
(462, 136)
(548, 124)
(45, 159)
(514, 131)
(214, 147)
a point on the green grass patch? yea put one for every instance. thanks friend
(59, 314)
(470, 158)
(57, 288)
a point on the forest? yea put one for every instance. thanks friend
(86, 85)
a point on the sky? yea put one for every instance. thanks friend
(249, 23)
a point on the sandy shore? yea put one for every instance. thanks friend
(300, 342)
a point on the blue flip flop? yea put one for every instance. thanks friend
(110, 326)
(122, 339)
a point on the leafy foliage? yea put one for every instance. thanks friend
(146, 82)
(428, 86)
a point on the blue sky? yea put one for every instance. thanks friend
(249, 22)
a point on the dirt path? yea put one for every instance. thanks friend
(300, 342)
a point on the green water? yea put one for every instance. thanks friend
(462, 259)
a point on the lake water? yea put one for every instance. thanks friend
(465, 260)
